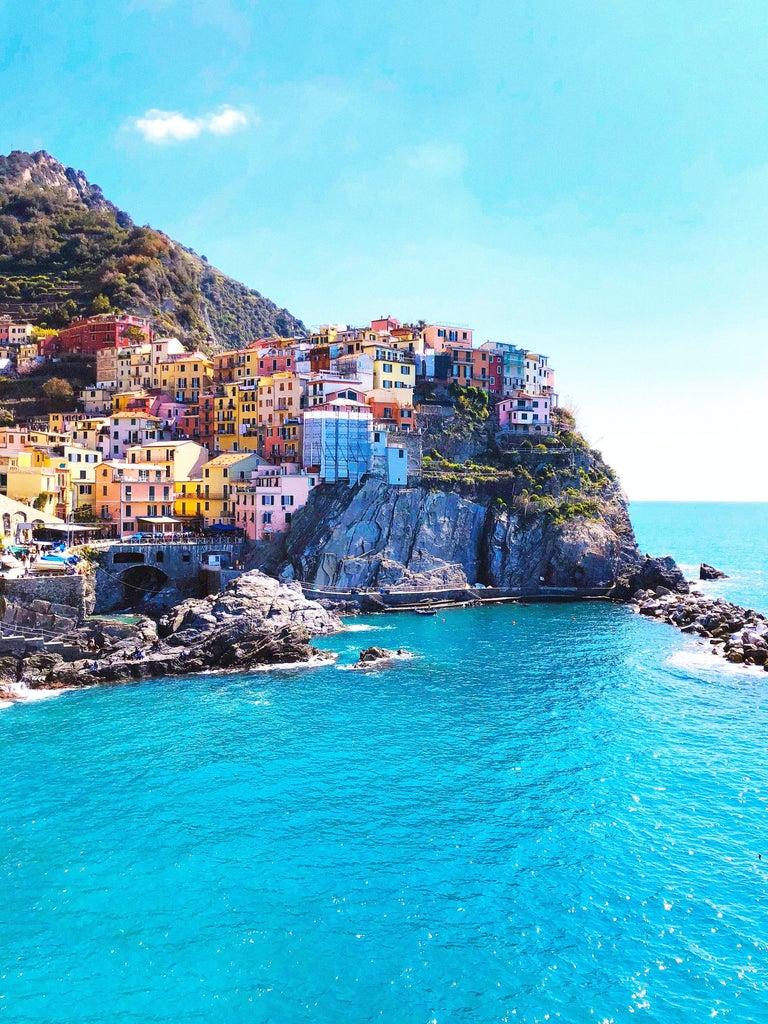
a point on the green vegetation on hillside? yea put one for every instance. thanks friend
(66, 252)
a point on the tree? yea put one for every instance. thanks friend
(59, 393)
(100, 304)
(134, 335)
(6, 417)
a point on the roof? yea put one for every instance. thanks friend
(228, 458)
(164, 444)
(10, 507)
(136, 414)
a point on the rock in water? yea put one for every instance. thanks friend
(708, 572)
(373, 656)
(652, 574)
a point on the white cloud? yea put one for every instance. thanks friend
(228, 120)
(164, 127)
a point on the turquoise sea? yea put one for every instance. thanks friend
(551, 812)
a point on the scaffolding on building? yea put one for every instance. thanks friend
(339, 442)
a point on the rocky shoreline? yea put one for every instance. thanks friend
(259, 621)
(740, 635)
(256, 621)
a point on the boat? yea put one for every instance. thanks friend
(426, 611)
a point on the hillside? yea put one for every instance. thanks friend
(66, 251)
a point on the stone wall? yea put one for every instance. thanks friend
(53, 603)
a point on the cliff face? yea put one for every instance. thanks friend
(376, 535)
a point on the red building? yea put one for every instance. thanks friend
(478, 368)
(87, 337)
(281, 443)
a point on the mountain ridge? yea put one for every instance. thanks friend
(67, 251)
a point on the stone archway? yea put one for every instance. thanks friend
(141, 582)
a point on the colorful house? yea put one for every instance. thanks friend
(89, 336)
(392, 409)
(138, 493)
(391, 367)
(265, 506)
(220, 478)
(525, 414)
(443, 336)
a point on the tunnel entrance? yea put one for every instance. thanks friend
(141, 582)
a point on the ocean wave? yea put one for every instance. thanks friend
(21, 694)
(704, 660)
(281, 666)
(363, 627)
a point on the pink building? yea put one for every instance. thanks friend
(525, 414)
(385, 323)
(442, 336)
(265, 507)
(171, 413)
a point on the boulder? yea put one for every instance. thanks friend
(708, 572)
(375, 656)
(651, 574)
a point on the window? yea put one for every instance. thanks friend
(266, 517)
(127, 510)
(286, 500)
(267, 499)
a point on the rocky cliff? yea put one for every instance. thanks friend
(374, 535)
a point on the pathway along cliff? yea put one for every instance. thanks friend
(545, 517)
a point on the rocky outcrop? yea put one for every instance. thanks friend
(650, 574)
(708, 572)
(740, 635)
(376, 657)
(374, 535)
(256, 621)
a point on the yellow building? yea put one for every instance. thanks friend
(235, 423)
(34, 478)
(188, 499)
(134, 367)
(391, 368)
(221, 476)
(185, 377)
(226, 417)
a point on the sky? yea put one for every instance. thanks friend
(589, 180)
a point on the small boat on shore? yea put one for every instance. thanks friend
(426, 611)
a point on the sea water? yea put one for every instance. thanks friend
(551, 812)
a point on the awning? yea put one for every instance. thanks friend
(71, 528)
(159, 520)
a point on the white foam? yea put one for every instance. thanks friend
(286, 665)
(363, 627)
(21, 694)
(371, 666)
(704, 659)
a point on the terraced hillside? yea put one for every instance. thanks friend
(66, 251)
